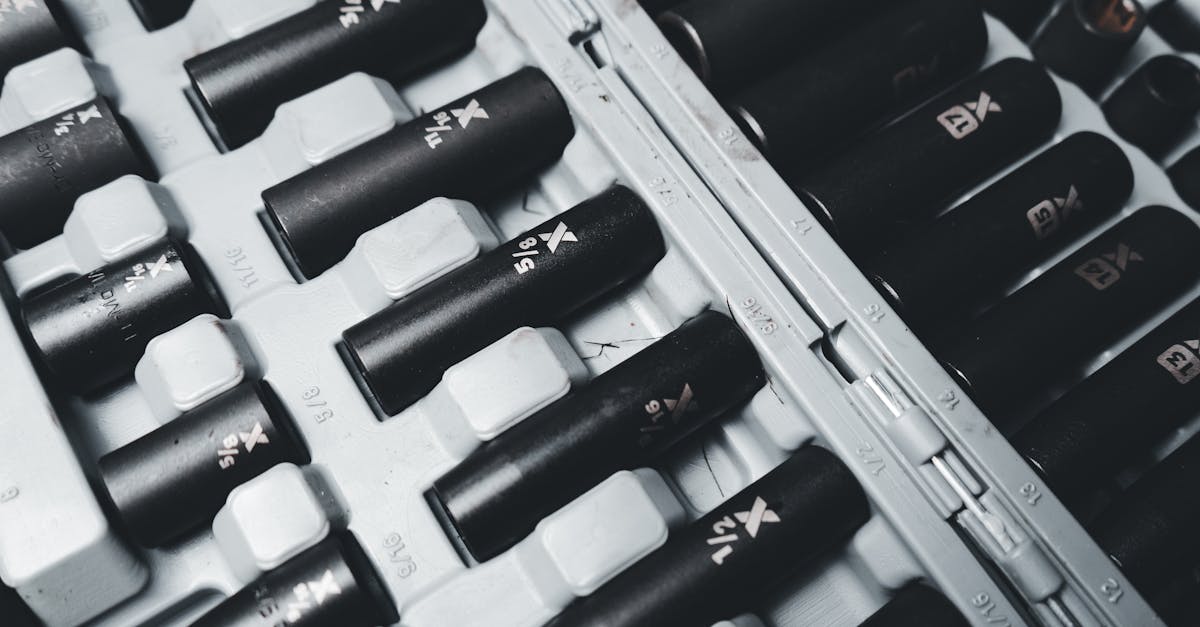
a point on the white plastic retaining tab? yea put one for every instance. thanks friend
(499, 386)
(56, 546)
(500, 593)
(188, 366)
(885, 554)
(1026, 565)
(395, 259)
(607, 529)
(268, 520)
(116, 219)
(233, 19)
(318, 126)
(43, 87)
(571, 553)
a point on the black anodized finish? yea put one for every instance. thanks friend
(156, 14)
(1178, 23)
(242, 82)
(534, 280)
(1049, 328)
(38, 28)
(91, 330)
(730, 43)
(1150, 529)
(893, 57)
(176, 478)
(50, 163)
(332, 584)
(1121, 412)
(1022, 17)
(917, 605)
(491, 140)
(622, 420)
(970, 256)
(1086, 40)
(961, 137)
(724, 563)
(1156, 107)
(1185, 176)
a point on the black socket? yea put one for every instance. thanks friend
(891, 59)
(156, 14)
(14, 610)
(726, 562)
(176, 478)
(1150, 529)
(91, 330)
(1185, 176)
(1156, 107)
(1121, 412)
(1178, 23)
(962, 137)
(971, 256)
(36, 29)
(917, 604)
(1086, 40)
(537, 279)
(1047, 330)
(494, 139)
(654, 7)
(332, 584)
(1022, 17)
(730, 43)
(622, 420)
(242, 82)
(50, 163)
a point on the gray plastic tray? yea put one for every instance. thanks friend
(738, 241)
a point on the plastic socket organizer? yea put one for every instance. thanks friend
(952, 503)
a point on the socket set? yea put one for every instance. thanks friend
(584, 312)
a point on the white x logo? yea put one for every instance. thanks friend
(472, 112)
(561, 234)
(982, 106)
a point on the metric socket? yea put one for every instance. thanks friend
(50, 163)
(1178, 22)
(91, 330)
(1150, 529)
(1087, 39)
(177, 477)
(892, 57)
(37, 28)
(962, 137)
(1035, 338)
(917, 604)
(622, 420)
(727, 561)
(493, 139)
(1022, 17)
(1121, 412)
(1185, 176)
(242, 82)
(534, 280)
(970, 256)
(156, 14)
(332, 583)
(1156, 107)
(728, 43)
